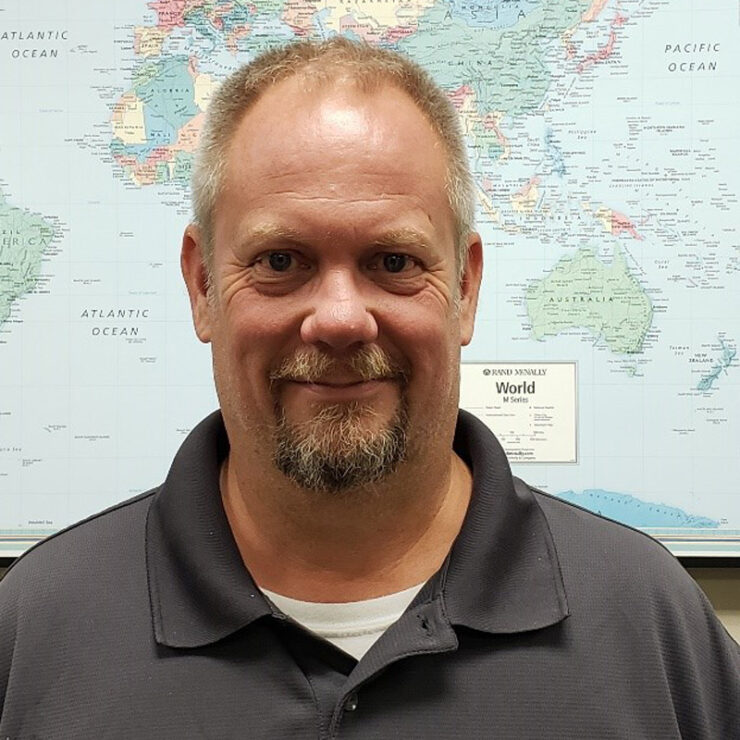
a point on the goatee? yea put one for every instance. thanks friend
(338, 449)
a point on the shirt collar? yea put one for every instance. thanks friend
(502, 575)
(199, 589)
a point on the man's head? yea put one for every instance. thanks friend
(322, 64)
(325, 267)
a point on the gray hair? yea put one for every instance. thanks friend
(367, 66)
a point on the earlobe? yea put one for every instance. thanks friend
(470, 287)
(196, 280)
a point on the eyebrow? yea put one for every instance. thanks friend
(403, 238)
(267, 234)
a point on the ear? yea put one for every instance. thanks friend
(470, 287)
(196, 280)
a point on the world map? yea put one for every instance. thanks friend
(603, 137)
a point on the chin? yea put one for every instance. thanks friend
(341, 447)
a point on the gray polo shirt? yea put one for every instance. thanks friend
(545, 621)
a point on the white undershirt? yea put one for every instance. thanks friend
(352, 626)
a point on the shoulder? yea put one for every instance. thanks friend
(624, 577)
(589, 532)
(626, 581)
(77, 556)
(71, 597)
(625, 589)
(588, 542)
(599, 554)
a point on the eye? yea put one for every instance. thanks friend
(395, 262)
(284, 266)
(278, 272)
(280, 261)
(397, 272)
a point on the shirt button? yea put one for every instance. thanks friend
(351, 704)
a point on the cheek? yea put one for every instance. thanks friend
(429, 341)
(251, 328)
(241, 356)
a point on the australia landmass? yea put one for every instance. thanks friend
(24, 237)
(636, 513)
(582, 292)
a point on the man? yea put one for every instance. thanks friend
(338, 552)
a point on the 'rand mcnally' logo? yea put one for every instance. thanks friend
(510, 391)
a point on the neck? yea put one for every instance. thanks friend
(358, 545)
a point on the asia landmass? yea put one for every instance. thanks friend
(156, 122)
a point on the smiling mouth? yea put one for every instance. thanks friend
(369, 367)
(338, 383)
(338, 389)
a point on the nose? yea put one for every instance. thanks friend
(340, 315)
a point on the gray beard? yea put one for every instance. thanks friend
(333, 452)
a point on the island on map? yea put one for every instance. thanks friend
(726, 359)
(582, 292)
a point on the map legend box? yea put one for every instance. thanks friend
(531, 407)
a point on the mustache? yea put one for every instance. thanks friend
(311, 365)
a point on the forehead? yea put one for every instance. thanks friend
(336, 140)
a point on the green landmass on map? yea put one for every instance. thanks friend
(582, 292)
(23, 238)
(726, 359)
(505, 66)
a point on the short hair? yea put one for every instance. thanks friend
(336, 58)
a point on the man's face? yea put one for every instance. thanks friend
(334, 314)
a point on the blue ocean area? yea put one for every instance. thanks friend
(269, 27)
(633, 511)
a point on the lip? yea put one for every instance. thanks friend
(341, 390)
